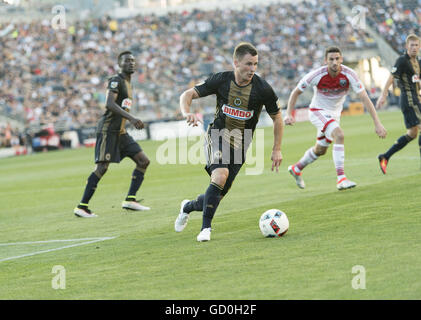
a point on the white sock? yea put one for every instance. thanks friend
(338, 154)
(309, 157)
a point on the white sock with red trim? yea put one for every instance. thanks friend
(309, 157)
(338, 154)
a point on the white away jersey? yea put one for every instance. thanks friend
(330, 92)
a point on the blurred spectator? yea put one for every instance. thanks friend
(393, 19)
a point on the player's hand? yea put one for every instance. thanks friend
(289, 120)
(276, 159)
(192, 119)
(381, 131)
(137, 123)
(380, 102)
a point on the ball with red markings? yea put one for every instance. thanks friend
(273, 223)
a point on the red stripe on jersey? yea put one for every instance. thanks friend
(317, 73)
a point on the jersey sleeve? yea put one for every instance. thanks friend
(398, 68)
(356, 84)
(271, 101)
(210, 86)
(113, 84)
(309, 80)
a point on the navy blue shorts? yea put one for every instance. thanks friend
(114, 147)
(411, 110)
(220, 154)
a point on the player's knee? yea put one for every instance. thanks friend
(142, 162)
(101, 169)
(220, 177)
(320, 150)
(412, 133)
(338, 135)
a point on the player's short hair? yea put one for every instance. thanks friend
(412, 37)
(242, 49)
(122, 54)
(332, 50)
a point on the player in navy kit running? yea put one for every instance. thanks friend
(240, 96)
(407, 71)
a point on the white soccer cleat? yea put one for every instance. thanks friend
(133, 205)
(204, 235)
(298, 177)
(182, 219)
(84, 213)
(344, 184)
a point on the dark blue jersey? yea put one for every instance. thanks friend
(111, 122)
(238, 107)
(408, 75)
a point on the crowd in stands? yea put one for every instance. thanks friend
(393, 19)
(59, 76)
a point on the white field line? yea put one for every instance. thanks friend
(49, 241)
(91, 240)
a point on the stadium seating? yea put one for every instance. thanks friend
(58, 76)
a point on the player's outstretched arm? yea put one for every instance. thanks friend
(383, 95)
(278, 131)
(186, 99)
(114, 107)
(380, 130)
(289, 118)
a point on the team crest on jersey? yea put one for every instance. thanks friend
(342, 82)
(237, 102)
(113, 84)
(126, 104)
(217, 155)
(393, 70)
(236, 113)
(415, 78)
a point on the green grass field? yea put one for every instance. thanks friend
(376, 225)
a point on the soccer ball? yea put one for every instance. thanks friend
(273, 223)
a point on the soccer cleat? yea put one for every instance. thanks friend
(382, 162)
(133, 205)
(298, 177)
(344, 184)
(182, 219)
(84, 212)
(204, 235)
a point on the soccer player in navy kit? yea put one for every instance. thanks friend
(240, 96)
(407, 71)
(113, 142)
